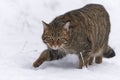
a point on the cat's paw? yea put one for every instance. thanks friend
(37, 64)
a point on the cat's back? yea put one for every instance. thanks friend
(94, 6)
(92, 9)
(75, 16)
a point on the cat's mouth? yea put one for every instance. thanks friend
(55, 47)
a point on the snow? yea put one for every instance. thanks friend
(21, 43)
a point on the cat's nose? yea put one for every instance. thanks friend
(55, 45)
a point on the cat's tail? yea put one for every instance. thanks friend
(109, 53)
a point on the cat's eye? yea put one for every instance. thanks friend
(58, 39)
(63, 40)
(48, 39)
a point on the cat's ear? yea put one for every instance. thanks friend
(66, 26)
(45, 25)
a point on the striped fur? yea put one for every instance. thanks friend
(83, 30)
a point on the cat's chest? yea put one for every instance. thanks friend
(69, 50)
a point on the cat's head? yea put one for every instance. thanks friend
(56, 37)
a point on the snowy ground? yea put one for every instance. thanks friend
(21, 44)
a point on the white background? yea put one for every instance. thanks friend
(21, 43)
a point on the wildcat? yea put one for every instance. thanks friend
(83, 32)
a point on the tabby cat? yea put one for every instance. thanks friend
(83, 32)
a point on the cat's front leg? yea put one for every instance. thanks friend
(43, 57)
(49, 55)
(81, 63)
(84, 59)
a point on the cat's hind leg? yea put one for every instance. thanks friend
(99, 56)
(98, 59)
